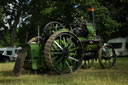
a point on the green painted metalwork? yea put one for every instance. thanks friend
(35, 55)
(63, 50)
(91, 30)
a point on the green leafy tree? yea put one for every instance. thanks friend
(0, 15)
(119, 12)
(44, 11)
(14, 11)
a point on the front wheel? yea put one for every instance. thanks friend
(107, 56)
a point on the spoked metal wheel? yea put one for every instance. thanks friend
(51, 28)
(63, 52)
(107, 56)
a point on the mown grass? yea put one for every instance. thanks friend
(93, 76)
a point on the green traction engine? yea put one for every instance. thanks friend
(64, 49)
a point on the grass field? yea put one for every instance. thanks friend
(93, 76)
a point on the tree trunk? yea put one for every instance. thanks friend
(13, 31)
(19, 64)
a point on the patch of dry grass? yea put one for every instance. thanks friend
(93, 76)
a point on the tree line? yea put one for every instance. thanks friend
(19, 19)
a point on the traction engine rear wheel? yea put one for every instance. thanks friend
(63, 52)
(107, 56)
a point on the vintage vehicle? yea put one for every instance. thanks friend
(120, 45)
(61, 49)
(9, 53)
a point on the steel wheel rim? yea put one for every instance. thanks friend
(65, 53)
(108, 57)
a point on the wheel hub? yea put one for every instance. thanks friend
(65, 52)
